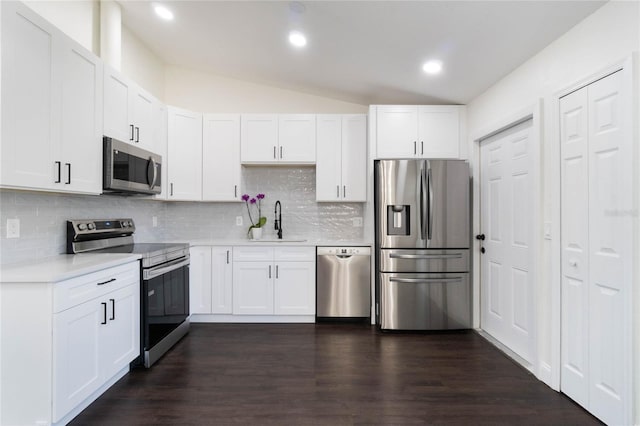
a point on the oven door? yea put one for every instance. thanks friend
(130, 170)
(166, 300)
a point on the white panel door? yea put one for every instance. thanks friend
(221, 280)
(120, 339)
(200, 280)
(221, 168)
(142, 119)
(438, 131)
(253, 288)
(185, 155)
(354, 157)
(28, 76)
(397, 131)
(294, 288)
(328, 157)
(507, 221)
(610, 248)
(76, 355)
(160, 140)
(117, 108)
(259, 138)
(81, 120)
(297, 138)
(574, 243)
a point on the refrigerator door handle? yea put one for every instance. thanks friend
(425, 280)
(425, 256)
(430, 202)
(423, 205)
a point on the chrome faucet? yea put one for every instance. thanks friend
(278, 219)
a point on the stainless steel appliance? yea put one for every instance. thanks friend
(423, 236)
(164, 279)
(129, 170)
(343, 282)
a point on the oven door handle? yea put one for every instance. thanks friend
(163, 269)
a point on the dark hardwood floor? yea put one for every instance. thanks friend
(330, 374)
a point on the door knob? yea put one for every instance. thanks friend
(480, 237)
(482, 250)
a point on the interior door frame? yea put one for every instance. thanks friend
(518, 116)
(628, 67)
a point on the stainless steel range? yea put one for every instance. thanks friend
(164, 279)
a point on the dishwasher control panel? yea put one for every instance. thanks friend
(357, 251)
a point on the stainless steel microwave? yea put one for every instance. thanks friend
(129, 170)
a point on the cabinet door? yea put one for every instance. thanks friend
(438, 131)
(185, 155)
(297, 138)
(76, 355)
(117, 108)
(120, 338)
(397, 131)
(200, 280)
(221, 280)
(28, 48)
(294, 288)
(221, 157)
(259, 138)
(253, 288)
(354, 157)
(81, 120)
(142, 119)
(160, 144)
(328, 157)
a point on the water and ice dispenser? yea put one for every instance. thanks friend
(398, 220)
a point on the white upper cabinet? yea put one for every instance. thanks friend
(160, 140)
(52, 107)
(341, 165)
(128, 110)
(221, 157)
(185, 155)
(283, 139)
(427, 131)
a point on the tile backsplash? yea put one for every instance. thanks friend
(43, 215)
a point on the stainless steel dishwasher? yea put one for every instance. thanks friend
(343, 282)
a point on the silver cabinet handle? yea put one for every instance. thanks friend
(132, 132)
(425, 256)
(337, 191)
(280, 152)
(137, 134)
(415, 150)
(171, 189)
(113, 309)
(104, 312)
(274, 152)
(269, 271)
(68, 173)
(276, 271)
(227, 257)
(344, 191)
(235, 191)
(59, 164)
(425, 280)
(421, 147)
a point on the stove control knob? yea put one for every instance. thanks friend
(124, 224)
(129, 223)
(91, 226)
(82, 226)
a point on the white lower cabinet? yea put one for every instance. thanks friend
(83, 333)
(253, 283)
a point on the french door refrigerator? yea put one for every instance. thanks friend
(423, 240)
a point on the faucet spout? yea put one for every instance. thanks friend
(278, 219)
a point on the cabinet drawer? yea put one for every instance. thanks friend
(252, 254)
(295, 254)
(78, 290)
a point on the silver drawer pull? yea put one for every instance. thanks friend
(425, 256)
(425, 280)
(107, 282)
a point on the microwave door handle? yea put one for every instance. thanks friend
(154, 175)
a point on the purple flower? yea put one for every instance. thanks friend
(260, 196)
(245, 197)
(252, 201)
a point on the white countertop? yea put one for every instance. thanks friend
(284, 242)
(62, 267)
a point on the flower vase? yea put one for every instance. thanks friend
(256, 233)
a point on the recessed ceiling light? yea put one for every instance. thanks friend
(297, 39)
(432, 67)
(163, 12)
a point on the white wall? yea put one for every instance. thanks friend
(79, 19)
(604, 38)
(142, 65)
(204, 92)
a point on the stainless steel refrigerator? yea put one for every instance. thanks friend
(423, 239)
